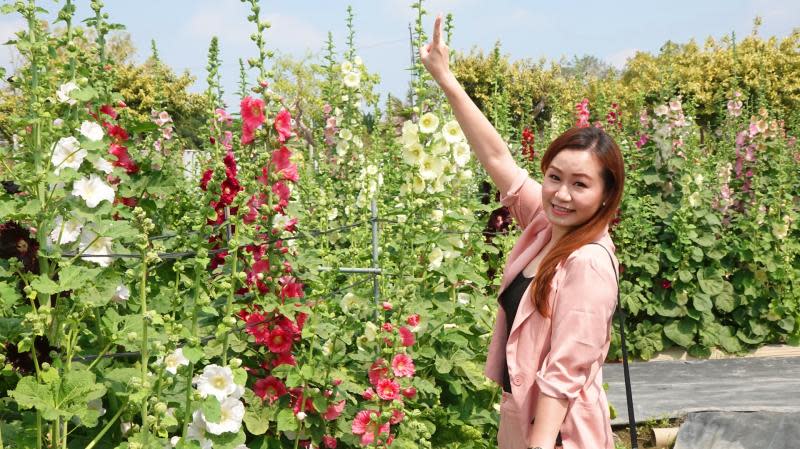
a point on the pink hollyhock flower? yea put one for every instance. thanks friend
(257, 275)
(283, 124)
(270, 388)
(582, 111)
(643, 139)
(368, 394)
(252, 111)
(333, 411)
(291, 289)
(397, 417)
(406, 336)
(377, 371)
(403, 365)
(279, 341)
(227, 140)
(254, 205)
(326, 109)
(387, 327)
(329, 441)
(409, 392)
(223, 116)
(283, 165)
(386, 305)
(387, 389)
(367, 425)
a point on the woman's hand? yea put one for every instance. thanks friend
(435, 54)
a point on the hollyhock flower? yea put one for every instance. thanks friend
(230, 188)
(403, 365)
(117, 133)
(397, 416)
(197, 431)
(65, 232)
(435, 258)
(270, 388)
(735, 108)
(301, 403)
(461, 153)
(174, 360)
(643, 139)
(387, 389)
(413, 320)
(206, 178)
(333, 411)
(121, 294)
(409, 392)
(290, 289)
(430, 167)
(283, 125)
(352, 79)
(123, 159)
(346, 67)
(231, 416)
(329, 441)
(284, 358)
(252, 112)
(103, 165)
(282, 163)
(428, 123)
(223, 116)
(67, 152)
(409, 135)
(582, 111)
(413, 153)
(368, 394)
(661, 110)
(367, 425)
(406, 336)
(92, 131)
(62, 94)
(665, 284)
(93, 190)
(387, 327)
(279, 340)
(93, 245)
(216, 381)
(452, 132)
(377, 371)
(108, 110)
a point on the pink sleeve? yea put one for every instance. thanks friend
(523, 199)
(583, 308)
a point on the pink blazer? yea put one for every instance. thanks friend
(559, 356)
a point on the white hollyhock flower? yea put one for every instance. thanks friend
(216, 381)
(346, 134)
(461, 153)
(439, 148)
(430, 167)
(370, 331)
(93, 245)
(372, 170)
(332, 214)
(121, 294)
(428, 123)
(357, 60)
(410, 133)
(346, 67)
(694, 199)
(352, 79)
(342, 147)
(417, 184)
(103, 165)
(437, 215)
(358, 142)
(67, 152)
(435, 258)
(93, 190)
(65, 232)
(58, 123)
(63, 93)
(413, 154)
(231, 416)
(452, 132)
(175, 360)
(92, 131)
(197, 431)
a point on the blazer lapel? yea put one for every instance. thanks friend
(526, 307)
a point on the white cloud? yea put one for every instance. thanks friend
(620, 58)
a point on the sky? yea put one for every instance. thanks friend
(612, 30)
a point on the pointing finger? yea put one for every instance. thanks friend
(437, 30)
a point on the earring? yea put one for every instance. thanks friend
(604, 203)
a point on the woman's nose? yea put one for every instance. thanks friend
(562, 194)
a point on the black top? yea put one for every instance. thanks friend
(510, 300)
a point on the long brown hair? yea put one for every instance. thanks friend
(613, 174)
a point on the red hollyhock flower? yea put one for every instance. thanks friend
(290, 289)
(301, 403)
(109, 111)
(397, 416)
(413, 320)
(387, 389)
(254, 205)
(283, 165)
(230, 164)
(368, 394)
(279, 341)
(257, 274)
(117, 133)
(270, 388)
(329, 441)
(282, 191)
(206, 178)
(406, 336)
(366, 424)
(283, 124)
(403, 366)
(230, 188)
(333, 411)
(252, 111)
(284, 358)
(665, 284)
(378, 371)
(123, 159)
(409, 392)
(387, 327)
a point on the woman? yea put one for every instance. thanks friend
(559, 287)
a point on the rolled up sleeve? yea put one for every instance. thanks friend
(523, 199)
(581, 319)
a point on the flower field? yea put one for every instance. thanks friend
(312, 267)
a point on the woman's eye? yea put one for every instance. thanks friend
(580, 184)
(554, 177)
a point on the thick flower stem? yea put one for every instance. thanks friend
(106, 427)
(229, 304)
(145, 355)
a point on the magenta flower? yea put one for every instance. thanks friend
(403, 366)
(367, 425)
(252, 110)
(387, 389)
(270, 388)
(283, 124)
(406, 336)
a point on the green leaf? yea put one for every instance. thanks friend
(84, 94)
(227, 440)
(73, 277)
(685, 276)
(9, 296)
(256, 420)
(44, 284)
(443, 365)
(681, 332)
(193, 354)
(211, 409)
(724, 302)
(702, 302)
(728, 340)
(286, 420)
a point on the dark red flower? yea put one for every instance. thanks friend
(279, 341)
(109, 111)
(665, 284)
(270, 388)
(206, 178)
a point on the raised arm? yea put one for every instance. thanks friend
(487, 144)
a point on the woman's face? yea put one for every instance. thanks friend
(572, 189)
